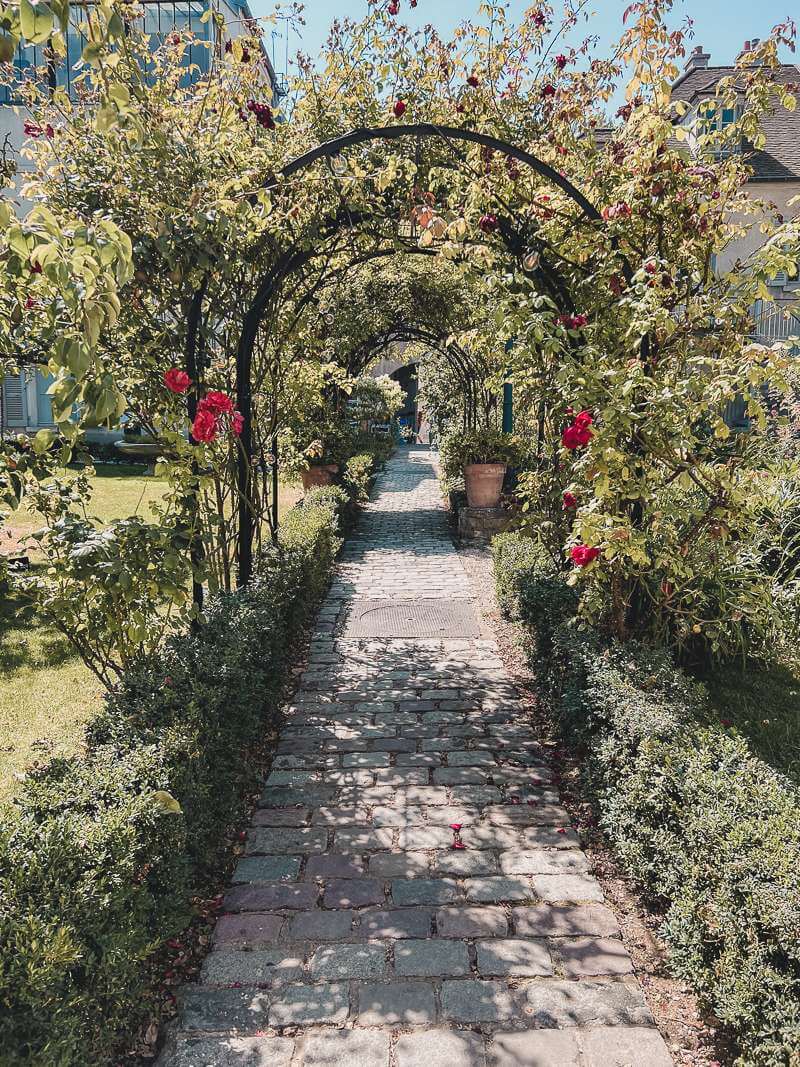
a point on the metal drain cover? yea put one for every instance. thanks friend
(412, 618)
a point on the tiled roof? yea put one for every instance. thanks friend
(779, 159)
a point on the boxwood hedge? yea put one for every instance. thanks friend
(709, 830)
(101, 854)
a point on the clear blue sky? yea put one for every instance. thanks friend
(721, 26)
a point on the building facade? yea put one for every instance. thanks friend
(776, 166)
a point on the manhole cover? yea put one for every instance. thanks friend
(412, 618)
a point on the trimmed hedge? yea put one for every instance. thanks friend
(710, 831)
(101, 854)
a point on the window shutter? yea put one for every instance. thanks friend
(13, 402)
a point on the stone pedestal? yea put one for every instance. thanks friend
(481, 524)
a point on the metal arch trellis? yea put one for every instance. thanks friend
(291, 260)
(329, 149)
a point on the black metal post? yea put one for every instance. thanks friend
(196, 553)
(275, 486)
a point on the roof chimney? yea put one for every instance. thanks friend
(698, 59)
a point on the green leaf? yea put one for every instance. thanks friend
(120, 94)
(36, 21)
(42, 441)
(167, 802)
(92, 52)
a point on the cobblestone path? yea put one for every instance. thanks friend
(355, 933)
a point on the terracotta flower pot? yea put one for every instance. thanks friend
(318, 474)
(484, 482)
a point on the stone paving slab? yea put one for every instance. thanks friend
(411, 893)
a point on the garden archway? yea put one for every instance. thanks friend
(290, 260)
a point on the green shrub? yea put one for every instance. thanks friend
(358, 474)
(102, 853)
(710, 831)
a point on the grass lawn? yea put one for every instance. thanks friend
(763, 703)
(46, 693)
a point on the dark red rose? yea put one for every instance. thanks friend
(399, 108)
(616, 284)
(487, 223)
(569, 501)
(473, 81)
(561, 61)
(620, 210)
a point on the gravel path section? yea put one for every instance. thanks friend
(412, 894)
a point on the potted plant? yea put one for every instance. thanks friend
(482, 457)
(321, 467)
(316, 460)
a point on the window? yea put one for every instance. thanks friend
(712, 120)
(157, 21)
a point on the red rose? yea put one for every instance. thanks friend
(393, 8)
(204, 427)
(569, 501)
(237, 422)
(539, 18)
(399, 108)
(576, 436)
(548, 90)
(32, 129)
(584, 419)
(583, 555)
(561, 61)
(177, 380)
(473, 81)
(217, 403)
(487, 223)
